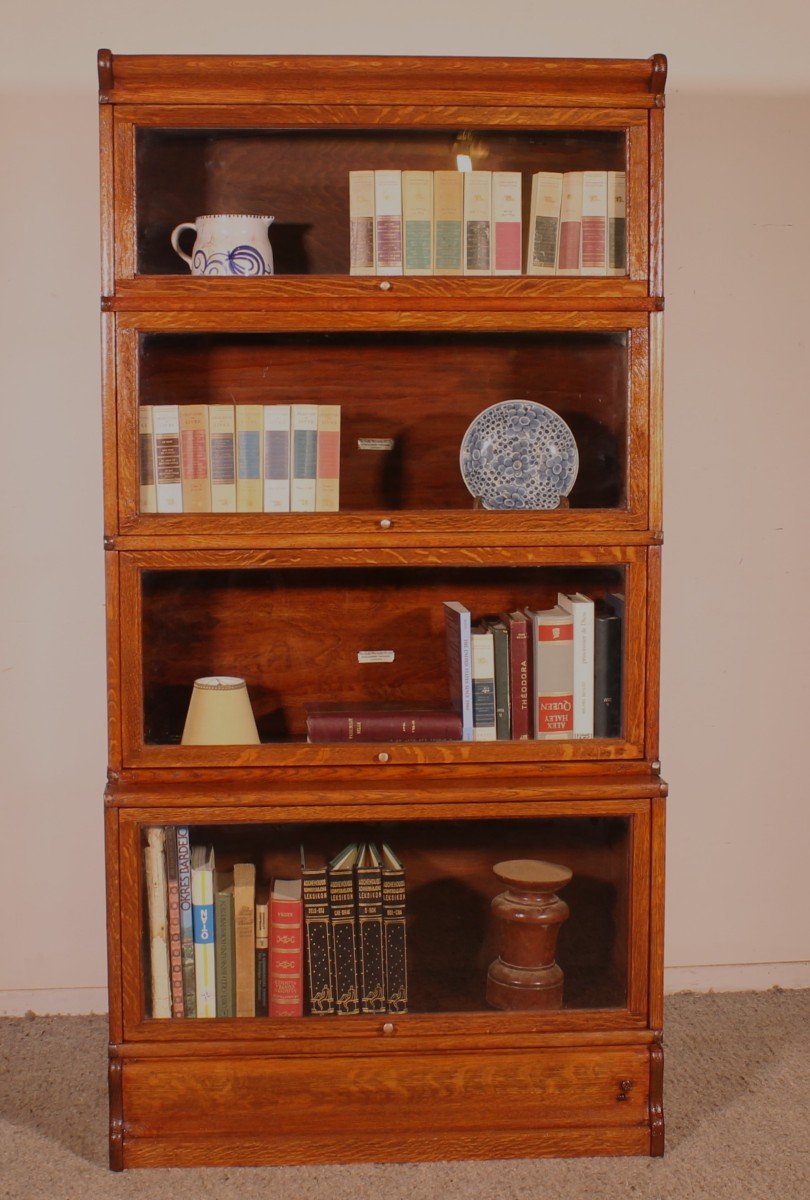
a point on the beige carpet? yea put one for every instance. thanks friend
(737, 1107)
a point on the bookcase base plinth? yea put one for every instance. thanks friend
(393, 1107)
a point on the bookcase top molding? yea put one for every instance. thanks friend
(368, 80)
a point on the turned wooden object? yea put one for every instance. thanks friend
(528, 915)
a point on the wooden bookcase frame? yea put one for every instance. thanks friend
(446, 1084)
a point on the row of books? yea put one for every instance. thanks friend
(547, 674)
(224, 944)
(471, 223)
(200, 458)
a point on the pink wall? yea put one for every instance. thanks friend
(736, 576)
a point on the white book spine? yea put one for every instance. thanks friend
(569, 258)
(202, 901)
(544, 223)
(388, 222)
(168, 478)
(594, 222)
(222, 456)
(157, 906)
(477, 222)
(146, 458)
(361, 223)
(581, 609)
(507, 236)
(483, 686)
(303, 479)
(277, 458)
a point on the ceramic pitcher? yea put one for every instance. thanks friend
(227, 244)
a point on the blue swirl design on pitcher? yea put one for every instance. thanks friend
(242, 260)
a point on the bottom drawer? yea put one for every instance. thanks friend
(402, 1106)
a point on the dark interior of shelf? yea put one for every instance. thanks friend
(450, 885)
(294, 634)
(301, 178)
(420, 389)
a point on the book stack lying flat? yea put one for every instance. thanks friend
(239, 458)
(549, 675)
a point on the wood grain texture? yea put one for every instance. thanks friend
(657, 910)
(109, 422)
(115, 1074)
(107, 200)
(114, 682)
(638, 910)
(114, 985)
(653, 668)
(368, 80)
(656, 168)
(638, 203)
(656, 423)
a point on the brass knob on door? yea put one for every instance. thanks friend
(383, 756)
(385, 286)
(388, 1028)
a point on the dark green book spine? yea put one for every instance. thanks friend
(396, 963)
(318, 933)
(225, 949)
(344, 941)
(503, 706)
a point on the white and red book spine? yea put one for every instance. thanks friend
(168, 476)
(569, 254)
(553, 639)
(388, 222)
(327, 484)
(581, 609)
(506, 223)
(286, 978)
(594, 223)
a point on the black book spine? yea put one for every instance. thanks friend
(607, 675)
(318, 935)
(396, 965)
(370, 935)
(343, 917)
(503, 710)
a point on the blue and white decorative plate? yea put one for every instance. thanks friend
(519, 455)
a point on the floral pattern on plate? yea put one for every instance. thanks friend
(519, 455)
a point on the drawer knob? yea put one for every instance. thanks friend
(388, 1028)
(385, 286)
(386, 523)
(625, 1086)
(383, 756)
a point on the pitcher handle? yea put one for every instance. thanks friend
(178, 229)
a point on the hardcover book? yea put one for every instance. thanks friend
(355, 723)
(607, 673)
(361, 223)
(244, 917)
(249, 423)
(157, 908)
(195, 471)
(146, 460)
(168, 477)
(202, 902)
(594, 223)
(544, 223)
(569, 259)
(370, 930)
(343, 917)
(320, 972)
(477, 222)
(222, 439)
(262, 950)
(186, 921)
(286, 990)
(506, 222)
(581, 609)
(503, 703)
(276, 457)
(448, 220)
(327, 484)
(616, 223)
(225, 945)
(483, 684)
(520, 674)
(459, 660)
(394, 932)
(553, 641)
(388, 222)
(417, 222)
(303, 485)
(173, 901)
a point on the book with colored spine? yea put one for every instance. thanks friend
(286, 981)
(146, 460)
(186, 921)
(244, 919)
(569, 256)
(249, 423)
(483, 684)
(581, 609)
(327, 484)
(417, 222)
(607, 672)
(553, 643)
(503, 701)
(157, 909)
(457, 625)
(507, 236)
(168, 476)
(361, 223)
(202, 902)
(616, 223)
(303, 480)
(388, 222)
(222, 441)
(477, 222)
(342, 917)
(394, 932)
(448, 222)
(370, 930)
(175, 944)
(195, 469)
(276, 457)
(320, 969)
(520, 674)
(225, 945)
(381, 723)
(594, 223)
(262, 950)
(544, 223)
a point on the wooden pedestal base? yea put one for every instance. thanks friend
(529, 915)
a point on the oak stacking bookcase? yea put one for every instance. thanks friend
(347, 606)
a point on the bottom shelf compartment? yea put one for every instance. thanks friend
(451, 935)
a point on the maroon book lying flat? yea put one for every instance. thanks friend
(355, 723)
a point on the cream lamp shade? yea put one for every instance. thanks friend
(219, 714)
